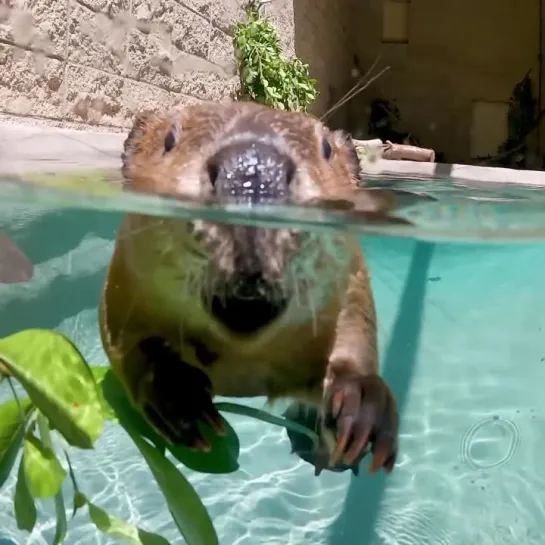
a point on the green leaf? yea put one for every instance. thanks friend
(99, 374)
(25, 510)
(258, 414)
(44, 474)
(77, 504)
(79, 500)
(58, 381)
(187, 509)
(62, 526)
(224, 451)
(119, 529)
(12, 432)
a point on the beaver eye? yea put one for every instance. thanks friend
(170, 140)
(326, 149)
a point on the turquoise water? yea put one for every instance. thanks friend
(462, 346)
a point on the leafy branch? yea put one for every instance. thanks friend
(266, 76)
(69, 398)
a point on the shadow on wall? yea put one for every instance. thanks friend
(46, 302)
(356, 523)
(323, 39)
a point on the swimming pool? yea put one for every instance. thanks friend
(461, 341)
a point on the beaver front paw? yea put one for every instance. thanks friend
(178, 396)
(362, 411)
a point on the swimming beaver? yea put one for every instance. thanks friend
(194, 309)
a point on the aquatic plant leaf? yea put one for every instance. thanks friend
(25, 509)
(58, 381)
(79, 500)
(186, 508)
(61, 526)
(77, 503)
(264, 416)
(119, 529)
(99, 374)
(43, 471)
(12, 432)
(224, 451)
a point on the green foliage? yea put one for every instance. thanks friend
(58, 382)
(119, 529)
(13, 417)
(266, 77)
(224, 451)
(72, 399)
(43, 471)
(25, 509)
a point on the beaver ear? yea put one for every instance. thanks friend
(138, 129)
(343, 142)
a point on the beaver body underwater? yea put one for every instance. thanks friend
(194, 309)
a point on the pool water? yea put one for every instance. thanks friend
(462, 341)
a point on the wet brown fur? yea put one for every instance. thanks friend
(144, 294)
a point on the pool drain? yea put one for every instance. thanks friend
(490, 443)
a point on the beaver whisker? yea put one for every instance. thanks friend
(195, 277)
(139, 230)
(296, 290)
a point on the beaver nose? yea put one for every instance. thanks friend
(251, 172)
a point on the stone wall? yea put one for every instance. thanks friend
(97, 62)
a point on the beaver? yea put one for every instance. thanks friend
(193, 309)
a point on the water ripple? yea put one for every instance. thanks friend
(490, 443)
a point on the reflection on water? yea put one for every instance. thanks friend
(441, 209)
(461, 342)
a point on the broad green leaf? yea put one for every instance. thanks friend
(12, 432)
(61, 526)
(44, 474)
(119, 529)
(222, 457)
(258, 414)
(127, 416)
(187, 509)
(58, 381)
(25, 510)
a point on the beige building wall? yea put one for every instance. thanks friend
(97, 62)
(453, 63)
(459, 55)
(324, 37)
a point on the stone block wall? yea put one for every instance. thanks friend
(97, 62)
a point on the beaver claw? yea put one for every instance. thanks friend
(178, 397)
(362, 412)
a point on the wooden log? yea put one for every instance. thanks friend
(376, 149)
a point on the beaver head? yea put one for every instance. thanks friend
(248, 154)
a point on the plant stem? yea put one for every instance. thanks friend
(45, 434)
(235, 408)
(12, 388)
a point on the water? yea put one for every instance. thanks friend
(462, 346)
